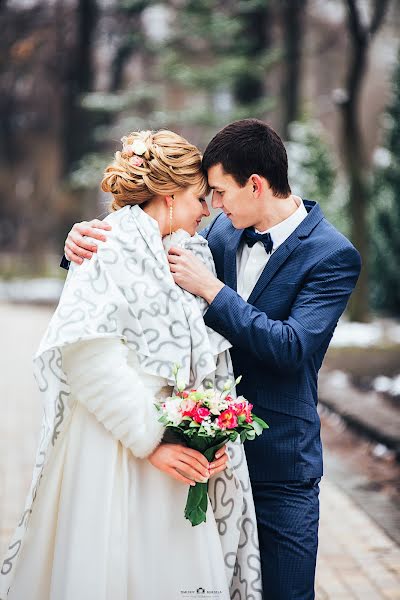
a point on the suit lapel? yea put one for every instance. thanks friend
(279, 257)
(230, 271)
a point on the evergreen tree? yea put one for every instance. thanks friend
(219, 53)
(313, 173)
(208, 70)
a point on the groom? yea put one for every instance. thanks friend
(284, 276)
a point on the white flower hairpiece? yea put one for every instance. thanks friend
(133, 149)
(139, 147)
(131, 146)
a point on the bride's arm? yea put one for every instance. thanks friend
(101, 379)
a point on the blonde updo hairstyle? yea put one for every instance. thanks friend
(150, 164)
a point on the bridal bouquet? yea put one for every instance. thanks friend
(206, 420)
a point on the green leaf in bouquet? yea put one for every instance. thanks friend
(203, 433)
(233, 435)
(257, 428)
(197, 500)
(243, 436)
(263, 424)
(194, 424)
(196, 505)
(238, 380)
(251, 434)
(246, 426)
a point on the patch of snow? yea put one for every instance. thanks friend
(381, 383)
(356, 334)
(338, 379)
(36, 291)
(387, 385)
(382, 158)
(381, 451)
(366, 334)
(157, 20)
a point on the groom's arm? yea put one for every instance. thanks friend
(287, 344)
(76, 247)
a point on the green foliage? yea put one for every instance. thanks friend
(118, 102)
(87, 172)
(385, 210)
(313, 173)
(208, 70)
(217, 44)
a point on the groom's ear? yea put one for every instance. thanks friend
(257, 184)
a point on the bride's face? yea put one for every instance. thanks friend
(189, 209)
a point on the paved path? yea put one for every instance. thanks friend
(356, 559)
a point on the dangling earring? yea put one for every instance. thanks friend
(171, 214)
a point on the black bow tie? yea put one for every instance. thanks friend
(251, 237)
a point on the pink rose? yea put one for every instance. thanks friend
(136, 161)
(227, 420)
(187, 407)
(243, 409)
(199, 414)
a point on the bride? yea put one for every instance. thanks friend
(104, 518)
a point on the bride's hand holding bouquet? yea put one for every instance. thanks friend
(206, 419)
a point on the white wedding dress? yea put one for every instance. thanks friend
(107, 525)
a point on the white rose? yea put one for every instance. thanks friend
(172, 411)
(139, 147)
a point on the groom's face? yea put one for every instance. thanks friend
(236, 202)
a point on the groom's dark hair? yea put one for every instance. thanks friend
(250, 146)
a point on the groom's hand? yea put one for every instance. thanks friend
(76, 247)
(191, 274)
(185, 464)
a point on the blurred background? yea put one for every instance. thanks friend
(77, 75)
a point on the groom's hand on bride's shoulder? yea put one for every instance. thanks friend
(185, 464)
(76, 247)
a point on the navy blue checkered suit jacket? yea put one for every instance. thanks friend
(281, 334)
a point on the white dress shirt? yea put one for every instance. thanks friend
(250, 262)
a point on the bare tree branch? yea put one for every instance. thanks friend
(356, 28)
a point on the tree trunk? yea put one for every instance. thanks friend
(76, 80)
(293, 25)
(358, 209)
(355, 164)
(250, 87)
(352, 143)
